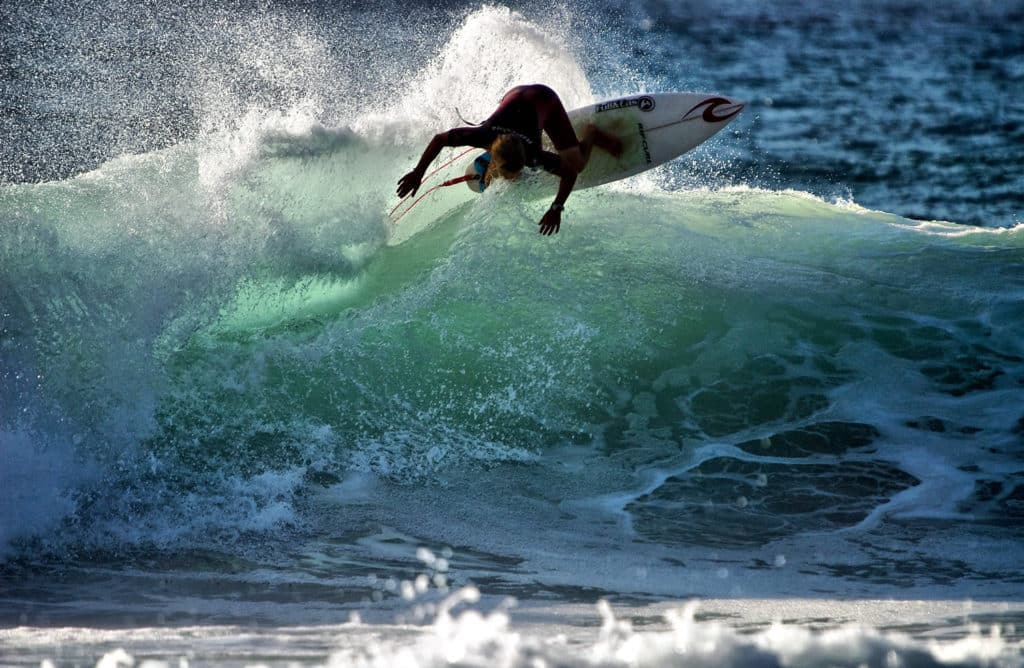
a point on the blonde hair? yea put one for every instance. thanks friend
(508, 157)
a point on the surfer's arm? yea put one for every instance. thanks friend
(409, 183)
(567, 169)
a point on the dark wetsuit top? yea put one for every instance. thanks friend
(524, 112)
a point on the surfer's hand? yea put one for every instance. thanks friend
(409, 184)
(550, 223)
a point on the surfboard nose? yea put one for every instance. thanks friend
(739, 105)
(731, 109)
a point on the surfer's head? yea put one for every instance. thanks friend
(508, 157)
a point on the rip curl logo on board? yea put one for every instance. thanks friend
(643, 143)
(644, 103)
(713, 110)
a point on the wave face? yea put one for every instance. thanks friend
(180, 346)
(221, 345)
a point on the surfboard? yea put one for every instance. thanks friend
(654, 129)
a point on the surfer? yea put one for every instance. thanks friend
(512, 134)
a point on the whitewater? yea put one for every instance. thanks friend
(761, 406)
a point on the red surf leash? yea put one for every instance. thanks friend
(449, 182)
(426, 178)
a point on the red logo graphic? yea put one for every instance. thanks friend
(709, 106)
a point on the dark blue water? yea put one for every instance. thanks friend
(909, 107)
(786, 368)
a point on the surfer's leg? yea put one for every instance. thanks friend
(595, 136)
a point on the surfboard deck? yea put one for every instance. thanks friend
(654, 129)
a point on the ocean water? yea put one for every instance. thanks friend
(761, 406)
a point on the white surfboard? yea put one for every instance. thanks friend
(653, 128)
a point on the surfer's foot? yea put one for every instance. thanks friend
(603, 140)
